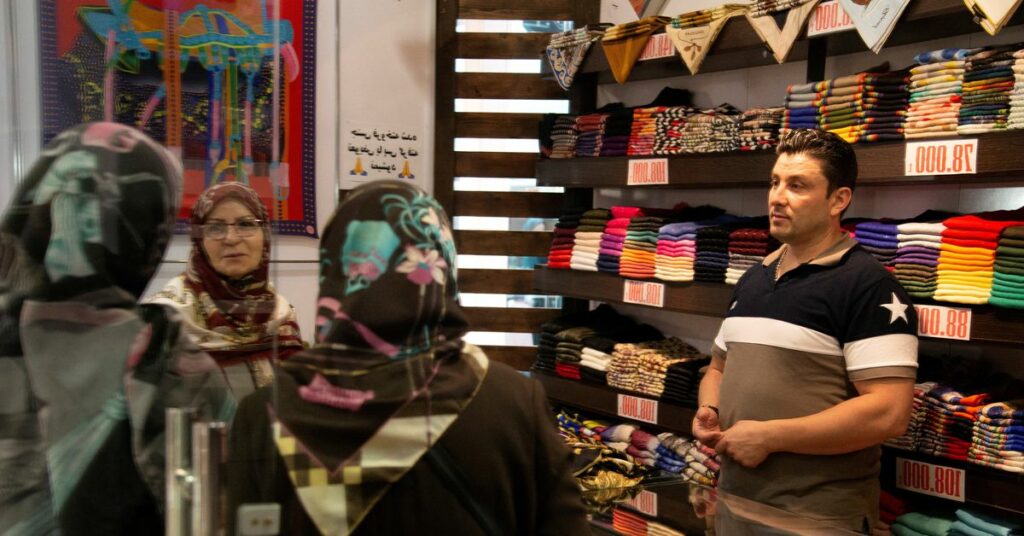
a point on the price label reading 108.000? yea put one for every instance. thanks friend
(947, 157)
(943, 322)
(934, 480)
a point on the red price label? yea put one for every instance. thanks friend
(944, 322)
(948, 157)
(645, 502)
(647, 172)
(638, 409)
(934, 480)
(658, 46)
(829, 17)
(643, 293)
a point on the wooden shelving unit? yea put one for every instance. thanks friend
(999, 160)
(990, 324)
(992, 488)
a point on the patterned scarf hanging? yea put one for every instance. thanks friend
(780, 40)
(623, 44)
(992, 15)
(874, 20)
(567, 50)
(389, 372)
(693, 33)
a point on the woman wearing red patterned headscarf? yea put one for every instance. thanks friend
(231, 308)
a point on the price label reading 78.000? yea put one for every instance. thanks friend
(947, 157)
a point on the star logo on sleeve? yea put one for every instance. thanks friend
(897, 309)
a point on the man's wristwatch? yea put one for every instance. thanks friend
(712, 408)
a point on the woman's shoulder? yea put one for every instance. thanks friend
(175, 293)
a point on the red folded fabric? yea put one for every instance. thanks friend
(994, 221)
(626, 212)
(971, 243)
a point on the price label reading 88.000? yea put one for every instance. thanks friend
(948, 157)
(943, 322)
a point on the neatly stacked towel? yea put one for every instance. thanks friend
(967, 255)
(917, 257)
(935, 93)
(748, 246)
(617, 129)
(712, 131)
(949, 422)
(590, 129)
(613, 238)
(587, 240)
(563, 137)
(880, 239)
(670, 127)
(1008, 276)
(759, 128)
(998, 437)
(644, 130)
(676, 252)
(988, 82)
(1016, 117)
(564, 237)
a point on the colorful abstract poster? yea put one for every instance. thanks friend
(214, 100)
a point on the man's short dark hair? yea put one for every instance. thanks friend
(838, 161)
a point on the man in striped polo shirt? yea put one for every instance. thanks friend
(815, 362)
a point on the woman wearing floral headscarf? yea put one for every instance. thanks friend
(225, 294)
(85, 373)
(391, 423)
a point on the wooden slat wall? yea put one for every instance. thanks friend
(506, 86)
(512, 165)
(517, 9)
(449, 164)
(500, 46)
(485, 125)
(510, 204)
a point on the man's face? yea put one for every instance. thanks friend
(799, 207)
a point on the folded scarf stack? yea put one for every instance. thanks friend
(563, 137)
(713, 130)
(862, 107)
(748, 246)
(587, 240)
(562, 241)
(988, 82)
(617, 130)
(670, 125)
(1016, 117)
(978, 524)
(967, 257)
(644, 130)
(1008, 269)
(998, 437)
(590, 129)
(613, 238)
(936, 83)
(949, 422)
(917, 257)
(759, 128)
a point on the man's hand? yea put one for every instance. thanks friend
(705, 427)
(746, 442)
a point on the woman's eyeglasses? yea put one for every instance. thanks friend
(218, 230)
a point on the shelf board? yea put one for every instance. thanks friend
(880, 164)
(1001, 490)
(989, 324)
(739, 47)
(985, 486)
(604, 400)
(709, 299)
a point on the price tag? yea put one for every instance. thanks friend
(934, 480)
(647, 171)
(944, 322)
(645, 502)
(638, 409)
(946, 157)
(643, 293)
(658, 46)
(827, 18)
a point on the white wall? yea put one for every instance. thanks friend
(766, 86)
(375, 61)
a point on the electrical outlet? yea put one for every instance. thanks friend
(263, 519)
